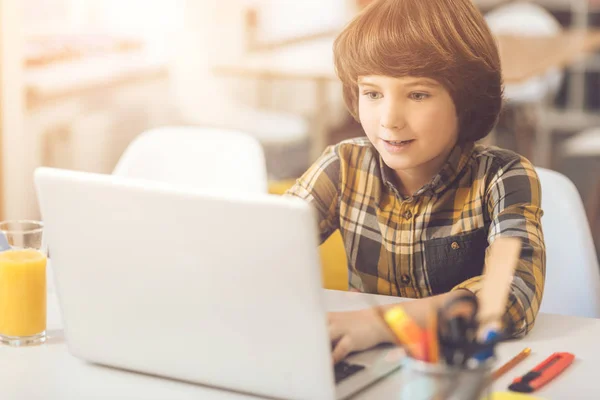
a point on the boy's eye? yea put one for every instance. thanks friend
(419, 96)
(373, 95)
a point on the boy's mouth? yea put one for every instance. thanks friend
(398, 142)
(397, 146)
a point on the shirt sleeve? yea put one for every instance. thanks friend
(513, 201)
(319, 185)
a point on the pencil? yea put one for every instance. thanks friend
(433, 351)
(511, 364)
(408, 332)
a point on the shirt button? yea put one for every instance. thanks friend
(407, 214)
(455, 246)
(405, 279)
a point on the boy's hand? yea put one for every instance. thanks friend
(355, 331)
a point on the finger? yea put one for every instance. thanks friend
(342, 349)
(335, 332)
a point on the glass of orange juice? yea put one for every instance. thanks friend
(22, 283)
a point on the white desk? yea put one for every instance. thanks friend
(48, 372)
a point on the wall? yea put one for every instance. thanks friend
(213, 32)
(86, 129)
(15, 146)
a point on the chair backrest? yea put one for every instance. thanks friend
(572, 272)
(527, 19)
(522, 18)
(199, 157)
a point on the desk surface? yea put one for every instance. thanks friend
(522, 57)
(49, 372)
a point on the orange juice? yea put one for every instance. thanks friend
(22, 292)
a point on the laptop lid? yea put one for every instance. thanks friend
(202, 287)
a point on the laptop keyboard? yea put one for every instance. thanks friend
(343, 370)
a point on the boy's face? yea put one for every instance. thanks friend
(411, 121)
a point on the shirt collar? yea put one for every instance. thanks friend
(457, 160)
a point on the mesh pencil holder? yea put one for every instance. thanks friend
(437, 381)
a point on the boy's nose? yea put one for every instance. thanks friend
(392, 121)
(389, 126)
(391, 117)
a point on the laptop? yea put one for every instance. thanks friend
(204, 287)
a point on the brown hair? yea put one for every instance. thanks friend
(445, 40)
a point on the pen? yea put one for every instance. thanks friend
(511, 363)
(488, 352)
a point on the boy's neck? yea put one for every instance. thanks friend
(413, 179)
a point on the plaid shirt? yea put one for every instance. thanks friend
(434, 241)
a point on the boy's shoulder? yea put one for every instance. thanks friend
(496, 157)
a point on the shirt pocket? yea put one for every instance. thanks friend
(454, 259)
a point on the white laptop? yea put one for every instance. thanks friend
(206, 288)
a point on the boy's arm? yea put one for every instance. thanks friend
(319, 185)
(513, 203)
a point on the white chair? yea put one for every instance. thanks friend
(198, 157)
(572, 285)
(528, 19)
(283, 137)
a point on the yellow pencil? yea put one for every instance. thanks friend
(511, 363)
(408, 332)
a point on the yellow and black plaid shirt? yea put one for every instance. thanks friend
(434, 241)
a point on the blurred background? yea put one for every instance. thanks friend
(80, 79)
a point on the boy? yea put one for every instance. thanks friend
(417, 201)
